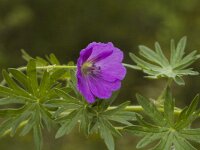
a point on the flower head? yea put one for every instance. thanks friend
(99, 71)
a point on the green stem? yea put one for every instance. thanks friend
(50, 67)
(161, 96)
(63, 67)
(138, 108)
(58, 67)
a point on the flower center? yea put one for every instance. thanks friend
(89, 68)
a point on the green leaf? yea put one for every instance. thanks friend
(70, 122)
(41, 62)
(73, 82)
(37, 135)
(11, 100)
(117, 109)
(5, 126)
(143, 130)
(5, 91)
(143, 64)
(179, 80)
(156, 65)
(113, 97)
(142, 122)
(10, 94)
(173, 52)
(16, 90)
(25, 55)
(46, 118)
(11, 82)
(20, 77)
(29, 125)
(187, 60)
(32, 92)
(85, 121)
(166, 142)
(57, 74)
(150, 54)
(32, 75)
(180, 49)
(61, 103)
(65, 96)
(24, 116)
(23, 89)
(182, 144)
(193, 106)
(174, 134)
(12, 111)
(188, 115)
(53, 60)
(150, 109)
(162, 57)
(111, 128)
(148, 139)
(123, 117)
(45, 84)
(107, 136)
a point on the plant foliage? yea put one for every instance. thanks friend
(38, 99)
(43, 95)
(96, 118)
(169, 132)
(30, 95)
(156, 64)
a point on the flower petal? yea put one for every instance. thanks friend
(114, 86)
(84, 55)
(101, 88)
(112, 71)
(82, 86)
(99, 48)
(101, 56)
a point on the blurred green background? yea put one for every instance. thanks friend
(64, 27)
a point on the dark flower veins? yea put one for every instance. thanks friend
(99, 71)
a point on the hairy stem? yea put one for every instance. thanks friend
(57, 67)
(50, 67)
(160, 100)
(64, 67)
(139, 108)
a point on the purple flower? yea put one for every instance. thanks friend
(99, 71)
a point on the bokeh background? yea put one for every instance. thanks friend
(64, 27)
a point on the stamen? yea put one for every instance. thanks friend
(89, 68)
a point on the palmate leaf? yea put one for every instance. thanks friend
(69, 123)
(104, 119)
(32, 94)
(95, 118)
(169, 132)
(50, 60)
(156, 65)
